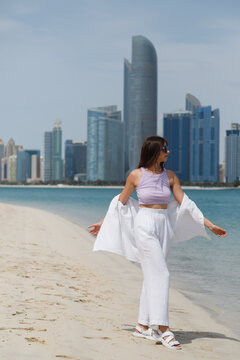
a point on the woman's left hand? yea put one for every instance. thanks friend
(218, 230)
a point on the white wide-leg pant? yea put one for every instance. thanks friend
(152, 232)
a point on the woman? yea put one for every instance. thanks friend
(153, 233)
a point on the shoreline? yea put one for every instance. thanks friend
(62, 186)
(60, 299)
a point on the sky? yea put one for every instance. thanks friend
(61, 57)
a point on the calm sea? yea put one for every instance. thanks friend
(206, 271)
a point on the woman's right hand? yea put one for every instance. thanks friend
(96, 227)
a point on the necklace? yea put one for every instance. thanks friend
(155, 171)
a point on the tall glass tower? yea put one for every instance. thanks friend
(57, 151)
(105, 144)
(176, 131)
(75, 158)
(204, 142)
(232, 153)
(52, 153)
(47, 156)
(140, 98)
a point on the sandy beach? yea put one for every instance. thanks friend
(59, 300)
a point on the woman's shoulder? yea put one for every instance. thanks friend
(135, 176)
(170, 173)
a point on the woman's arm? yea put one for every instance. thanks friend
(129, 186)
(179, 194)
(123, 197)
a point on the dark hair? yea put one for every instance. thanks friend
(151, 148)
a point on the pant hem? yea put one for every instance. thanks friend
(157, 323)
(146, 323)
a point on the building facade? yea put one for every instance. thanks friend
(4, 169)
(47, 156)
(140, 99)
(193, 138)
(52, 154)
(232, 154)
(105, 153)
(75, 159)
(10, 148)
(204, 145)
(176, 131)
(24, 164)
(12, 168)
(57, 170)
(35, 167)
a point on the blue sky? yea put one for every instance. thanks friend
(60, 57)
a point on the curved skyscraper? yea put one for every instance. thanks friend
(140, 98)
(192, 103)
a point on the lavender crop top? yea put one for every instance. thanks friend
(153, 188)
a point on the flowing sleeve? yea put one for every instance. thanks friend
(117, 231)
(187, 220)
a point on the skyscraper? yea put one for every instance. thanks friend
(204, 145)
(176, 131)
(4, 169)
(75, 158)
(192, 103)
(57, 151)
(24, 164)
(140, 98)
(10, 148)
(47, 156)
(232, 153)
(193, 137)
(105, 155)
(52, 153)
(12, 168)
(35, 167)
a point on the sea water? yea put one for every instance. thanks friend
(207, 271)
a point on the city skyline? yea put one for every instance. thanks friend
(59, 60)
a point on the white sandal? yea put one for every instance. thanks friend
(168, 343)
(149, 334)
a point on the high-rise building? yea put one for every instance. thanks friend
(176, 131)
(4, 169)
(105, 155)
(192, 103)
(69, 162)
(140, 98)
(204, 145)
(75, 158)
(57, 171)
(21, 166)
(10, 148)
(24, 164)
(193, 137)
(232, 153)
(35, 167)
(12, 168)
(52, 153)
(2, 153)
(47, 156)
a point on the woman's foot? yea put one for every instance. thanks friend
(146, 332)
(168, 338)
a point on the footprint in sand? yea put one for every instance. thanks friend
(33, 339)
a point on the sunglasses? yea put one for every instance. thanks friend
(165, 149)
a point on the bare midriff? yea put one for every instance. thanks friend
(155, 206)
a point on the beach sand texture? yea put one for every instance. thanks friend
(59, 300)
